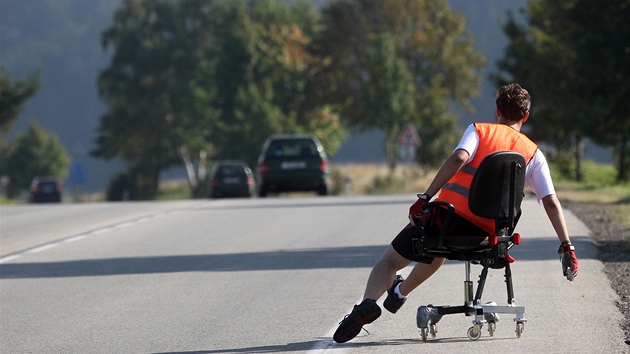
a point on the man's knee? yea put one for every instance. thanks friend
(392, 258)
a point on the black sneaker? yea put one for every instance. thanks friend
(362, 314)
(392, 302)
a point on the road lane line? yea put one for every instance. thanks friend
(43, 248)
(9, 258)
(99, 231)
(124, 224)
(324, 346)
(75, 238)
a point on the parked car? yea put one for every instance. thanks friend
(231, 179)
(45, 190)
(291, 163)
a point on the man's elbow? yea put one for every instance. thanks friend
(551, 202)
(459, 157)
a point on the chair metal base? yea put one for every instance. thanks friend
(428, 316)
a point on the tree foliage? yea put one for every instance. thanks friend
(192, 80)
(395, 62)
(573, 58)
(34, 153)
(148, 87)
(264, 77)
(603, 46)
(13, 95)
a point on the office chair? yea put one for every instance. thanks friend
(496, 192)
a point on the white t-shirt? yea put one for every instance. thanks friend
(537, 174)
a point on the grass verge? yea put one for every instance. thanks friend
(598, 188)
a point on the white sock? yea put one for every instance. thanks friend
(397, 292)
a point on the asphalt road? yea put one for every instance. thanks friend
(265, 276)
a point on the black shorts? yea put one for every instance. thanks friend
(404, 242)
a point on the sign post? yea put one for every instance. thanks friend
(77, 177)
(408, 142)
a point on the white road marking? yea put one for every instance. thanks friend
(124, 224)
(43, 248)
(9, 258)
(99, 231)
(75, 238)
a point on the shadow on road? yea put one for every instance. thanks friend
(324, 258)
(273, 348)
(309, 345)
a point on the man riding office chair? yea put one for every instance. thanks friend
(453, 181)
(495, 192)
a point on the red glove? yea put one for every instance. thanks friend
(415, 211)
(569, 260)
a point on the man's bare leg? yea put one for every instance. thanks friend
(383, 273)
(419, 274)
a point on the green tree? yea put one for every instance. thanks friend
(151, 122)
(265, 70)
(377, 49)
(601, 40)
(545, 65)
(34, 153)
(387, 93)
(13, 95)
(193, 80)
(572, 57)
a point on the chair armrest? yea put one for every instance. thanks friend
(446, 223)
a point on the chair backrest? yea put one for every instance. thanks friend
(497, 187)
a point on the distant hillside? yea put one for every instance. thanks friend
(62, 40)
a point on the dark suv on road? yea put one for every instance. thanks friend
(45, 190)
(292, 163)
(231, 179)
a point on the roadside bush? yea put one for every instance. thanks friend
(388, 184)
(120, 187)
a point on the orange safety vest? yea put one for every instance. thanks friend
(492, 137)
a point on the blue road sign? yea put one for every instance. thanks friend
(78, 173)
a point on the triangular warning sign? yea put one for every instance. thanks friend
(409, 136)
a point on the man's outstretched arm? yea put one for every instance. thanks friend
(556, 216)
(566, 251)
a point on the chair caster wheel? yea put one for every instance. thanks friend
(474, 332)
(520, 327)
(423, 333)
(491, 328)
(433, 330)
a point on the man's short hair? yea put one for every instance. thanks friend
(513, 102)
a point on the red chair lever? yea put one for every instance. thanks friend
(516, 239)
